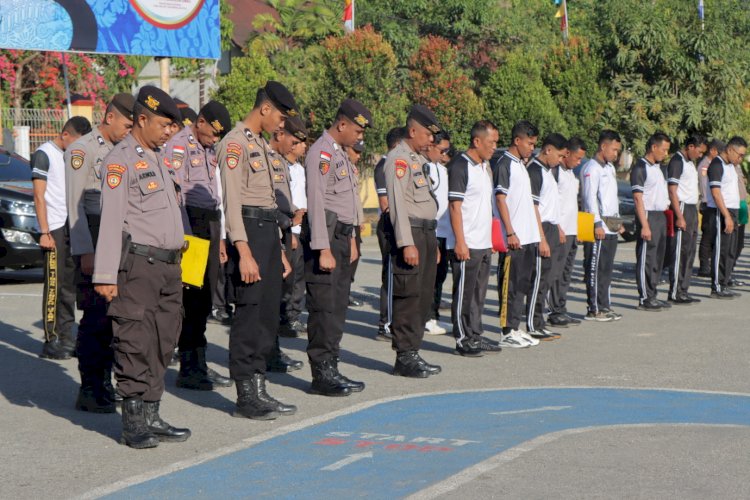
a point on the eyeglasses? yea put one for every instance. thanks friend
(445, 151)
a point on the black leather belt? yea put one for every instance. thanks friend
(428, 224)
(260, 213)
(343, 229)
(153, 253)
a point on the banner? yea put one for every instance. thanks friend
(168, 28)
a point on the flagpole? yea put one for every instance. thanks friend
(567, 20)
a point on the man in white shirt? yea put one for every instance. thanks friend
(705, 249)
(439, 179)
(682, 181)
(515, 207)
(471, 199)
(567, 187)
(599, 188)
(48, 179)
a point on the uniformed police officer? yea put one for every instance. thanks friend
(137, 267)
(329, 245)
(283, 142)
(192, 156)
(83, 185)
(412, 208)
(251, 213)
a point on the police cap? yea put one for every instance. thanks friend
(158, 102)
(217, 116)
(356, 112)
(189, 116)
(294, 126)
(124, 104)
(281, 98)
(425, 117)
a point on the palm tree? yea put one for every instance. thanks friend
(299, 22)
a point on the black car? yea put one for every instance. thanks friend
(627, 209)
(19, 229)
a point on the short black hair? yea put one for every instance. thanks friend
(656, 138)
(138, 110)
(696, 140)
(260, 98)
(608, 135)
(479, 129)
(523, 128)
(394, 136)
(717, 144)
(443, 135)
(737, 142)
(557, 141)
(576, 144)
(78, 125)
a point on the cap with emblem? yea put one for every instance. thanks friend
(217, 116)
(425, 117)
(281, 98)
(189, 116)
(359, 146)
(294, 126)
(124, 104)
(356, 112)
(158, 102)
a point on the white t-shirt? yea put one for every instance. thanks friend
(599, 186)
(567, 188)
(471, 184)
(297, 184)
(682, 173)
(439, 179)
(512, 179)
(543, 182)
(723, 175)
(648, 179)
(48, 164)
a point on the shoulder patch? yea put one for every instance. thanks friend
(401, 166)
(114, 175)
(325, 166)
(325, 156)
(234, 151)
(76, 158)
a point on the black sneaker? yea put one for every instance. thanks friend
(544, 335)
(721, 294)
(664, 304)
(692, 299)
(572, 320)
(558, 321)
(610, 313)
(650, 305)
(469, 349)
(220, 317)
(488, 346)
(681, 300)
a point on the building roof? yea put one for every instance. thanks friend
(243, 13)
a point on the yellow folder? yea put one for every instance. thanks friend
(194, 261)
(586, 227)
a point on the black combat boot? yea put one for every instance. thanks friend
(159, 428)
(325, 381)
(281, 408)
(93, 397)
(56, 349)
(249, 402)
(192, 375)
(408, 365)
(346, 381)
(110, 391)
(216, 379)
(280, 362)
(135, 432)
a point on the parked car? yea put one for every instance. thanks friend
(19, 229)
(627, 209)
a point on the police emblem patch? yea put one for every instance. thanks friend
(76, 158)
(324, 167)
(152, 103)
(343, 172)
(233, 154)
(400, 166)
(141, 165)
(195, 162)
(114, 175)
(152, 185)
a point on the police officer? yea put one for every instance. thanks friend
(83, 185)
(137, 267)
(412, 209)
(192, 156)
(283, 142)
(651, 199)
(329, 245)
(259, 265)
(355, 155)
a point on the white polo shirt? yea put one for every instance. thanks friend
(567, 189)
(544, 183)
(48, 164)
(647, 178)
(297, 185)
(599, 186)
(512, 179)
(724, 176)
(471, 184)
(439, 179)
(682, 173)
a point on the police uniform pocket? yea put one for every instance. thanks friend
(120, 309)
(152, 192)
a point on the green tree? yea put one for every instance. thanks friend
(297, 23)
(515, 92)
(437, 81)
(237, 89)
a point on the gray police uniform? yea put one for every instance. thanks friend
(331, 216)
(412, 208)
(139, 248)
(251, 215)
(83, 185)
(196, 169)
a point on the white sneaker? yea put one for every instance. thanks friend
(513, 341)
(528, 338)
(433, 327)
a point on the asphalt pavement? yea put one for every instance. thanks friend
(656, 405)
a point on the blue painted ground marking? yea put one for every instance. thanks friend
(400, 447)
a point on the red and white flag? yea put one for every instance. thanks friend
(348, 17)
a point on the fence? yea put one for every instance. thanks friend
(44, 124)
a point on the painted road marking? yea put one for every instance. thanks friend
(417, 443)
(531, 410)
(348, 460)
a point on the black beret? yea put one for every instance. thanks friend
(356, 112)
(124, 104)
(359, 146)
(281, 98)
(189, 116)
(294, 126)
(158, 102)
(425, 117)
(217, 116)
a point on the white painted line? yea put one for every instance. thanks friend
(531, 410)
(348, 460)
(20, 294)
